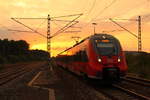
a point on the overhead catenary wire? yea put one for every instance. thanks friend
(40, 24)
(101, 12)
(29, 27)
(63, 29)
(90, 10)
(92, 7)
(19, 30)
(8, 34)
(67, 16)
(49, 19)
(56, 24)
(123, 27)
(71, 23)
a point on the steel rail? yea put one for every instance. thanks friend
(12, 77)
(140, 96)
(139, 79)
(7, 74)
(136, 81)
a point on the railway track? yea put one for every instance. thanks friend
(140, 81)
(12, 74)
(126, 91)
(117, 92)
(130, 87)
(123, 90)
(9, 74)
(132, 93)
(135, 88)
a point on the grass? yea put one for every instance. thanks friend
(139, 64)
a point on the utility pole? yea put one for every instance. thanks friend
(139, 34)
(48, 35)
(49, 19)
(139, 30)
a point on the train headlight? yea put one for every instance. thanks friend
(99, 60)
(119, 59)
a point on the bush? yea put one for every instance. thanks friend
(2, 62)
(13, 58)
(139, 64)
(23, 58)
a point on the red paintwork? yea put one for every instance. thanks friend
(92, 67)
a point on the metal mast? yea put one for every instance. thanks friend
(139, 34)
(49, 19)
(139, 30)
(48, 36)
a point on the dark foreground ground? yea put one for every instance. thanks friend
(44, 83)
(49, 82)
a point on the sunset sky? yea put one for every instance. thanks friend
(94, 11)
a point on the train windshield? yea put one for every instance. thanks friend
(106, 48)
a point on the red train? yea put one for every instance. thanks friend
(99, 56)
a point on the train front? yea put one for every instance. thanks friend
(108, 60)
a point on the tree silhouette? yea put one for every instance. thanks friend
(12, 51)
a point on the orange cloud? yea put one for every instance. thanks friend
(93, 12)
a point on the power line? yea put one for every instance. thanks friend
(49, 19)
(112, 31)
(63, 29)
(139, 31)
(67, 16)
(40, 25)
(91, 7)
(70, 24)
(10, 33)
(126, 19)
(19, 30)
(71, 31)
(102, 11)
(56, 24)
(62, 20)
(28, 27)
(122, 27)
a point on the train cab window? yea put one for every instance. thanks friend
(106, 48)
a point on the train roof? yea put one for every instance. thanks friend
(102, 36)
(95, 36)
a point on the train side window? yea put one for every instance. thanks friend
(84, 56)
(79, 56)
(65, 59)
(75, 57)
(71, 58)
(68, 59)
